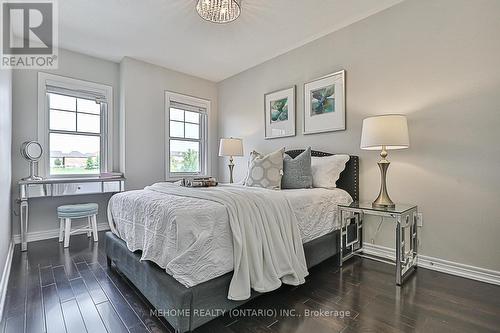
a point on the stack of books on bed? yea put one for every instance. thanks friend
(199, 182)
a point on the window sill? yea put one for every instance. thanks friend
(179, 177)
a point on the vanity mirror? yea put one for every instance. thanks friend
(32, 151)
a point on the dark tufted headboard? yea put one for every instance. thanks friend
(348, 180)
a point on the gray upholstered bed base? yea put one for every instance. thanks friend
(185, 308)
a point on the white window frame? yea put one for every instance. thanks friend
(64, 82)
(204, 154)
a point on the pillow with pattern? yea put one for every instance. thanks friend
(265, 171)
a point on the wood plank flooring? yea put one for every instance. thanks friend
(56, 290)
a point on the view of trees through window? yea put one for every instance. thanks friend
(187, 163)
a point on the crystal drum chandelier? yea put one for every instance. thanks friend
(219, 11)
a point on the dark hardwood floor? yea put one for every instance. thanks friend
(56, 290)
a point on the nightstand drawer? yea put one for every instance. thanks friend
(77, 188)
(38, 190)
(109, 187)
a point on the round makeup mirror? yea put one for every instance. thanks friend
(32, 151)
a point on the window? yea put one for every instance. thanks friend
(74, 128)
(186, 136)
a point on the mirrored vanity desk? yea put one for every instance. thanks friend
(57, 187)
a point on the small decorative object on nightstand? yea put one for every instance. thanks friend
(405, 221)
(231, 147)
(384, 133)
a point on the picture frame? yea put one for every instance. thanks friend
(324, 104)
(279, 113)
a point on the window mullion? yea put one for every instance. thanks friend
(184, 139)
(56, 109)
(76, 114)
(88, 113)
(74, 133)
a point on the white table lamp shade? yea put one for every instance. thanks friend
(390, 131)
(230, 147)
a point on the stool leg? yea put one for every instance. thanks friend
(89, 226)
(61, 230)
(67, 232)
(94, 227)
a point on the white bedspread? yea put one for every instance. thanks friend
(190, 232)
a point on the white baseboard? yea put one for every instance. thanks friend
(378, 250)
(48, 234)
(5, 277)
(441, 265)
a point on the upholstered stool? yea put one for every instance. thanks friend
(68, 212)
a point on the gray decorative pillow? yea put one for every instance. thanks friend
(265, 171)
(297, 171)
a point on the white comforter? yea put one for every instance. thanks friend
(191, 232)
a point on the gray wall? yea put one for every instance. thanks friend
(25, 113)
(438, 62)
(5, 164)
(143, 87)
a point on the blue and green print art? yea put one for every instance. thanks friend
(323, 100)
(279, 110)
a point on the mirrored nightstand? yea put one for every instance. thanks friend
(404, 218)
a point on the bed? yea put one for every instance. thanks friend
(180, 281)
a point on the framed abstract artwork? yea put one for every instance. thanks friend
(324, 104)
(279, 108)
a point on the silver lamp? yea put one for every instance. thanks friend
(384, 133)
(231, 147)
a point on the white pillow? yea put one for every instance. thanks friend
(326, 170)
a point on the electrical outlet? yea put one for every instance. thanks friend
(420, 220)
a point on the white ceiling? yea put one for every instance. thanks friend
(170, 33)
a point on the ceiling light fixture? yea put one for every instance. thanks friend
(219, 11)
